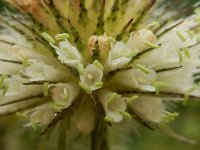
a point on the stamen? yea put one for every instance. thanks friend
(33, 125)
(187, 94)
(25, 62)
(151, 45)
(99, 84)
(154, 24)
(21, 115)
(65, 95)
(98, 64)
(143, 69)
(134, 53)
(132, 99)
(180, 55)
(109, 119)
(181, 36)
(56, 106)
(61, 36)
(159, 85)
(125, 114)
(80, 69)
(111, 40)
(5, 90)
(48, 37)
(2, 79)
(187, 52)
(46, 87)
(169, 117)
(85, 88)
(112, 97)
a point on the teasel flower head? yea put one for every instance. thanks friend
(92, 63)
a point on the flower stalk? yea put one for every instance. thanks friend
(99, 136)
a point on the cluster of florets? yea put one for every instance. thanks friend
(119, 78)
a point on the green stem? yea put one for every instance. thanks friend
(63, 135)
(99, 135)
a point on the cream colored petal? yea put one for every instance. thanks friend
(149, 108)
(112, 109)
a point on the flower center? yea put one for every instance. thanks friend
(90, 77)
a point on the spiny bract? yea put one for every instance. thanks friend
(97, 60)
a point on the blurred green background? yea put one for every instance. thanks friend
(187, 124)
(124, 137)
